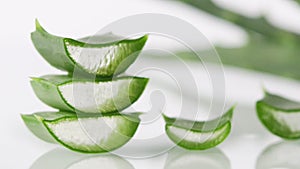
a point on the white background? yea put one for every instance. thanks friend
(19, 61)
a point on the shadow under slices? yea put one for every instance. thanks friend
(285, 154)
(64, 159)
(179, 158)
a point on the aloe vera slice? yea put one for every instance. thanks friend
(279, 115)
(89, 134)
(199, 135)
(86, 95)
(102, 59)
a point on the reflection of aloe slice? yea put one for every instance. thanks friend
(279, 115)
(209, 159)
(89, 134)
(62, 159)
(199, 135)
(283, 155)
(64, 93)
(99, 59)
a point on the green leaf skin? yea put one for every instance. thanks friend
(49, 90)
(279, 115)
(37, 128)
(57, 52)
(218, 129)
(45, 125)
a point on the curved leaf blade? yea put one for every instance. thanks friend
(88, 95)
(199, 135)
(279, 115)
(87, 134)
(102, 59)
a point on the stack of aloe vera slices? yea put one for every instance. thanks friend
(88, 117)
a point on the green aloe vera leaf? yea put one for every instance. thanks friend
(254, 25)
(102, 59)
(199, 135)
(87, 134)
(266, 42)
(279, 115)
(87, 95)
(255, 56)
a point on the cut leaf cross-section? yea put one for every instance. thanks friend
(88, 134)
(87, 95)
(279, 115)
(102, 59)
(199, 135)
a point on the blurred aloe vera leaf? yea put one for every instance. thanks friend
(252, 25)
(270, 49)
(259, 56)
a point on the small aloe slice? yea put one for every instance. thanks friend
(87, 95)
(88, 134)
(279, 115)
(199, 135)
(103, 59)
